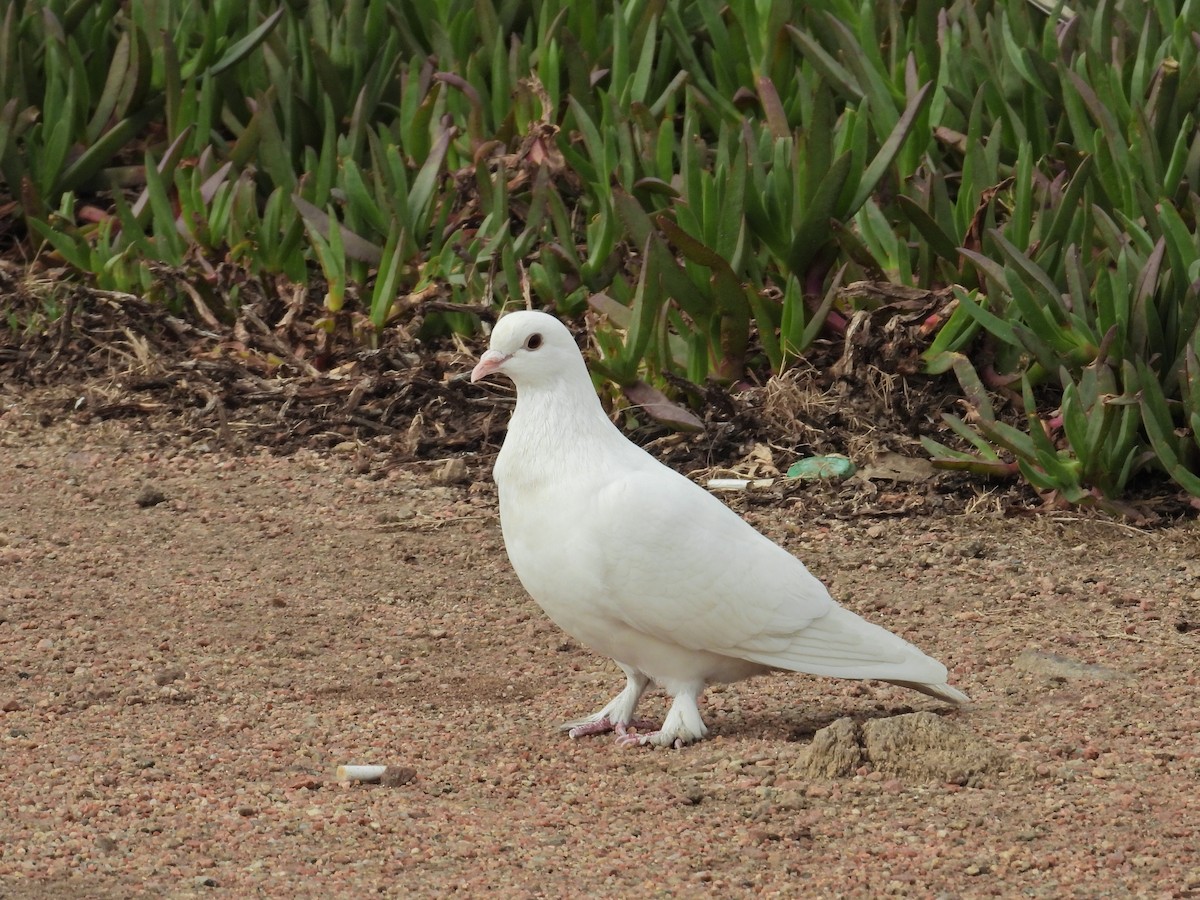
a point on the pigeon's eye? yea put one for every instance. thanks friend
(533, 341)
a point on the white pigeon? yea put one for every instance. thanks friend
(640, 564)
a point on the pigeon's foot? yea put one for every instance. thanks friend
(604, 725)
(619, 710)
(683, 724)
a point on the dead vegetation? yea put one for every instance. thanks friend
(280, 375)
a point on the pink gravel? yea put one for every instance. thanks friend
(179, 681)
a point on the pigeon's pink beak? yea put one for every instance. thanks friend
(488, 364)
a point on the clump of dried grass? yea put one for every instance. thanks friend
(795, 403)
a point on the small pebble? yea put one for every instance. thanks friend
(149, 496)
(453, 471)
(397, 776)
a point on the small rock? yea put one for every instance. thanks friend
(397, 514)
(12, 704)
(453, 471)
(397, 776)
(790, 800)
(149, 496)
(763, 835)
(166, 676)
(246, 811)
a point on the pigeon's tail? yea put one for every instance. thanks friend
(940, 691)
(845, 645)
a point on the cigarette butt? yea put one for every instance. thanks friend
(738, 484)
(360, 773)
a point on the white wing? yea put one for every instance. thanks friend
(681, 566)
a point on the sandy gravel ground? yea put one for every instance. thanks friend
(190, 642)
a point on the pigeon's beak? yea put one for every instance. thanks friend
(488, 364)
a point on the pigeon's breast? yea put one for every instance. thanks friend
(558, 562)
(564, 569)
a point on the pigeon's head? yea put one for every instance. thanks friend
(531, 348)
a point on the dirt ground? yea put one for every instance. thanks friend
(191, 641)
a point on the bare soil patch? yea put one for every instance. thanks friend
(181, 675)
(234, 555)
